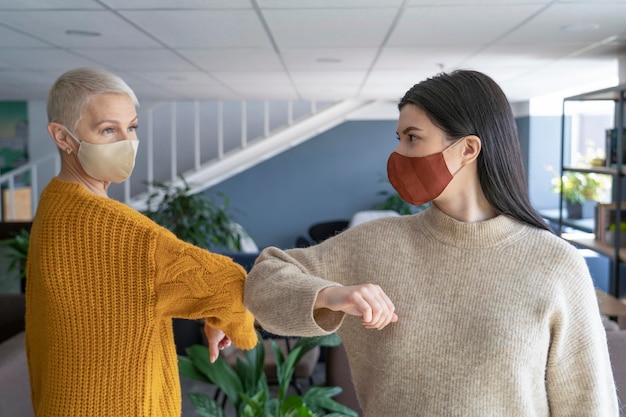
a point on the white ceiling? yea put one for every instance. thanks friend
(309, 49)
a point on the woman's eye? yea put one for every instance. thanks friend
(108, 130)
(412, 138)
(133, 128)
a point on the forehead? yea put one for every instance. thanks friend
(112, 107)
(412, 116)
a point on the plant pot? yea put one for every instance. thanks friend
(577, 211)
(574, 210)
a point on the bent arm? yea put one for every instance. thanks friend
(301, 292)
(194, 283)
(281, 291)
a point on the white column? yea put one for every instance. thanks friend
(621, 69)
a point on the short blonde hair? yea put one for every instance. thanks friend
(70, 94)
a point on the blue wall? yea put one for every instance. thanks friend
(329, 177)
(545, 160)
(341, 171)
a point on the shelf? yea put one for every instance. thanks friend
(585, 225)
(594, 170)
(585, 118)
(588, 241)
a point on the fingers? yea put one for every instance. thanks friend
(367, 301)
(378, 310)
(217, 341)
(214, 351)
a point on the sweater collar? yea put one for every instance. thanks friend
(474, 235)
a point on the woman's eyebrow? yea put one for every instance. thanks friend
(409, 128)
(113, 121)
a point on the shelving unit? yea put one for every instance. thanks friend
(586, 119)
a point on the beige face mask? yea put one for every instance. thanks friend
(107, 161)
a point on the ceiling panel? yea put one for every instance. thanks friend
(473, 26)
(588, 23)
(241, 59)
(328, 4)
(556, 77)
(12, 39)
(35, 59)
(466, 3)
(393, 84)
(202, 28)
(137, 59)
(179, 83)
(252, 84)
(330, 28)
(48, 4)
(433, 58)
(328, 59)
(266, 49)
(177, 4)
(51, 27)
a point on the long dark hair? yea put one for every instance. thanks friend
(465, 102)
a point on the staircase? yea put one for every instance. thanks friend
(206, 142)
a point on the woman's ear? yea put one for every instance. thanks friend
(59, 136)
(471, 148)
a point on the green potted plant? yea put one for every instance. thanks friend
(247, 389)
(577, 188)
(198, 218)
(394, 202)
(16, 251)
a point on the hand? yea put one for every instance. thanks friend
(217, 341)
(367, 301)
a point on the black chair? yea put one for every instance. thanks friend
(319, 232)
(303, 242)
(242, 258)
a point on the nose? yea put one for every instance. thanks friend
(402, 149)
(130, 136)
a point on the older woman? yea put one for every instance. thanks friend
(104, 281)
(482, 311)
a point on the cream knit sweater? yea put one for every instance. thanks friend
(496, 318)
(103, 283)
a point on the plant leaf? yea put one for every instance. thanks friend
(188, 369)
(219, 372)
(205, 406)
(319, 399)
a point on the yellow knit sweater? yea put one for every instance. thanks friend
(103, 283)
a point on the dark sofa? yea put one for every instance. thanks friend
(14, 382)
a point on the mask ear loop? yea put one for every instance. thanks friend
(69, 150)
(461, 167)
(71, 134)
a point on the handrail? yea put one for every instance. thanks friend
(9, 179)
(269, 122)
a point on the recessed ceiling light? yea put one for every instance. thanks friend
(73, 32)
(328, 60)
(580, 27)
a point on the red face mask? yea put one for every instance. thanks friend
(419, 179)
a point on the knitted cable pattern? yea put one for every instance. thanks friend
(103, 283)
